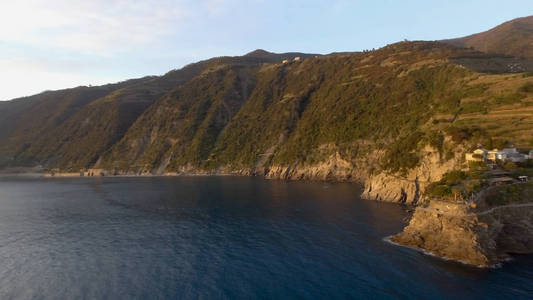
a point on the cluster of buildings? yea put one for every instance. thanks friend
(286, 61)
(505, 155)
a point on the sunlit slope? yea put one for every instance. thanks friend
(376, 110)
(514, 38)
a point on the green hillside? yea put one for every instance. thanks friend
(396, 100)
(71, 128)
(373, 111)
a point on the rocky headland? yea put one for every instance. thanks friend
(474, 233)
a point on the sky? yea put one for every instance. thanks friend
(54, 44)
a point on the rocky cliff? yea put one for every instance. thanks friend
(409, 188)
(478, 234)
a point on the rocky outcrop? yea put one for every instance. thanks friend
(408, 188)
(334, 168)
(463, 233)
(443, 230)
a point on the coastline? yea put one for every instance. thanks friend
(452, 232)
(389, 240)
(483, 234)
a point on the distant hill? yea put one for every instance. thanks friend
(260, 53)
(513, 38)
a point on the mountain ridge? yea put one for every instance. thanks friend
(511, 38)
(408, 110)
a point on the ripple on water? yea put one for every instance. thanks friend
(220, 237)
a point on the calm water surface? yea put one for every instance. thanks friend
(217, 237)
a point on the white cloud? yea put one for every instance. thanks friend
(24, 78)
(96, 26)
(53, 44)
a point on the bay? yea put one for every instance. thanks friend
(221, 238)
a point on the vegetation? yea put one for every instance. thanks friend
(380, 108)
(457, 184)
(527, 87)
(510, 194)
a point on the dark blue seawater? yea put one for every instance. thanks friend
(220, 238)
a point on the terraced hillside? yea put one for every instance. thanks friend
(504, 108)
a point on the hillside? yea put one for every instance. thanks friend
(288, 114)
(359, 116)
(514, 38)
(72, 128)
(24, 120)
(397, 118)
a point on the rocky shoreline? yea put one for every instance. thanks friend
(473, 234)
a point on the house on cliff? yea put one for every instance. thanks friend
(495, 155)
(492, 156)
(479, 155)
(512, 154)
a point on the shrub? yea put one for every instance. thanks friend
(477, 165)
(460, 134)
(474, 107)
(509, 166)
(512, 98)
(527, 87)
(401, 155)
(436, 140)
(453, 177)
(500, 143)
(438, 190)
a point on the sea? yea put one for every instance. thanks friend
(221, 238)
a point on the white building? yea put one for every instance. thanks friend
(511, 154)
(478, 155)
(507, 154)
(495, 155)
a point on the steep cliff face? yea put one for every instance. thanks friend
(409, 188)
(333, 168)
(478, 236)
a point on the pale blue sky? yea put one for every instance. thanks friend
(52, 44)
